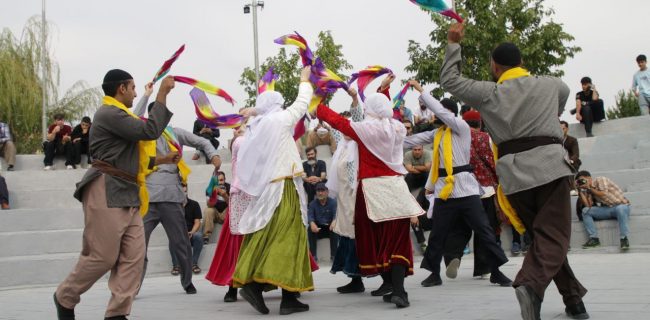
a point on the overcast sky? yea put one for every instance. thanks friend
(95, 36)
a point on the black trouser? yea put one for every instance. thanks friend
(416, 180)
(517, 238)
(310, 190)
(54, 148)
(460, 234)
(4, 191)
(446, 213)
(79, 149)
(587, 114)
(323, 233)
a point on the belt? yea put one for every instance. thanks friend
(524, 144)
(466, 168)
(106, 168)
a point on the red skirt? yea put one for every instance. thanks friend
(381, 244)
(225, 255)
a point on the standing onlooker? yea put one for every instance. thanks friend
(641, 84)
(322, 211)
(211, 134)
(193, 220)
(7, 147)
(218, 193)
(585, 104)
(315, 172)
(58, 142)
(80, 138)
(4, 194)
(571, 146)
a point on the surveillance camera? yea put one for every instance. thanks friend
(247, 9)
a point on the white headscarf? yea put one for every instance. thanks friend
(381, 134)
(347, 153)
(262, 142)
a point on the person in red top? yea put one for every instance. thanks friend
(383, 243)
(482, 162)
(58, 143)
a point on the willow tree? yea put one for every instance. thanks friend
(544, 45)
(287, 67)
(21, 88)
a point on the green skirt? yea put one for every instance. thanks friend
(278, 255)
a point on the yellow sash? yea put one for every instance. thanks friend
(513, 73)
(146, 150)
(183, 168)
(443, 134)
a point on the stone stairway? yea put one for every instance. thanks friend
(40, 236)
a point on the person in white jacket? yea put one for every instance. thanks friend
(274, 252)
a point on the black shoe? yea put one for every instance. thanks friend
(231, 295)
(625, 244)
(387, 298)
(62, 312)
(383, 290)
(116, 318)
(497, 277)
(291, 305)
(252, 293)
(592, 243)
(529, 303)
(190, 289)
(589, 134)
(206, 240)
(400, 300)
(355, 286)
(10, 167)
(577, 311)
(432, 280)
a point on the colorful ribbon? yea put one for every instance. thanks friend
(206, 114)
(206, 87)
(297, 40)
(168, 64)
(365, 76)
(398, 100)
(172, 139)
(300, 129)
(438, 6)
(268, 81)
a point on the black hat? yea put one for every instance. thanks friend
(116, 75)
(507, 54)
(321, 187)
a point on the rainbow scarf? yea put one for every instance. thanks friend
(365, 76)
(438, 6)
(174, 145)
(146, 150)
(398, 100)
(167, 65)
(443, 134)
(206, 114)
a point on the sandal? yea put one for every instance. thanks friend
(196, 269)
(175, 271)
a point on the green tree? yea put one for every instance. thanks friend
(21, 88)
(627, 105)
(287, 66)
(543, 43)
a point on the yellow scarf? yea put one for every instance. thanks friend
(443, 134)
(513, 73)
(504, 203)
(146, 150)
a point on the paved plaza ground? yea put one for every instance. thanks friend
(619, 288)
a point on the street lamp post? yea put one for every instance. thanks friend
(247, 9)
(43, 82)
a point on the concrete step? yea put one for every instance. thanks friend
(625, 177)
(608, 232)
(610, 161)
(51, 269)
(613, 127)
(40, 242)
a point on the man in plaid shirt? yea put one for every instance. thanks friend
(602, 200)
(7, 147)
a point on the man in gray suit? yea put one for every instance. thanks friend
(521, 113)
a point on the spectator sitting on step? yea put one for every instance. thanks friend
(424, 119)
(210, 134)
(7, 147)
(315, 172)
(80, 137)
(587, 105)
(571, 145)
(193, 221)
(218, 193)
(641, 84)
(322, 211)
(4, 194)
(58, 143)
(321, 135)
(602, 200)
(418, 164)
(409, 127)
